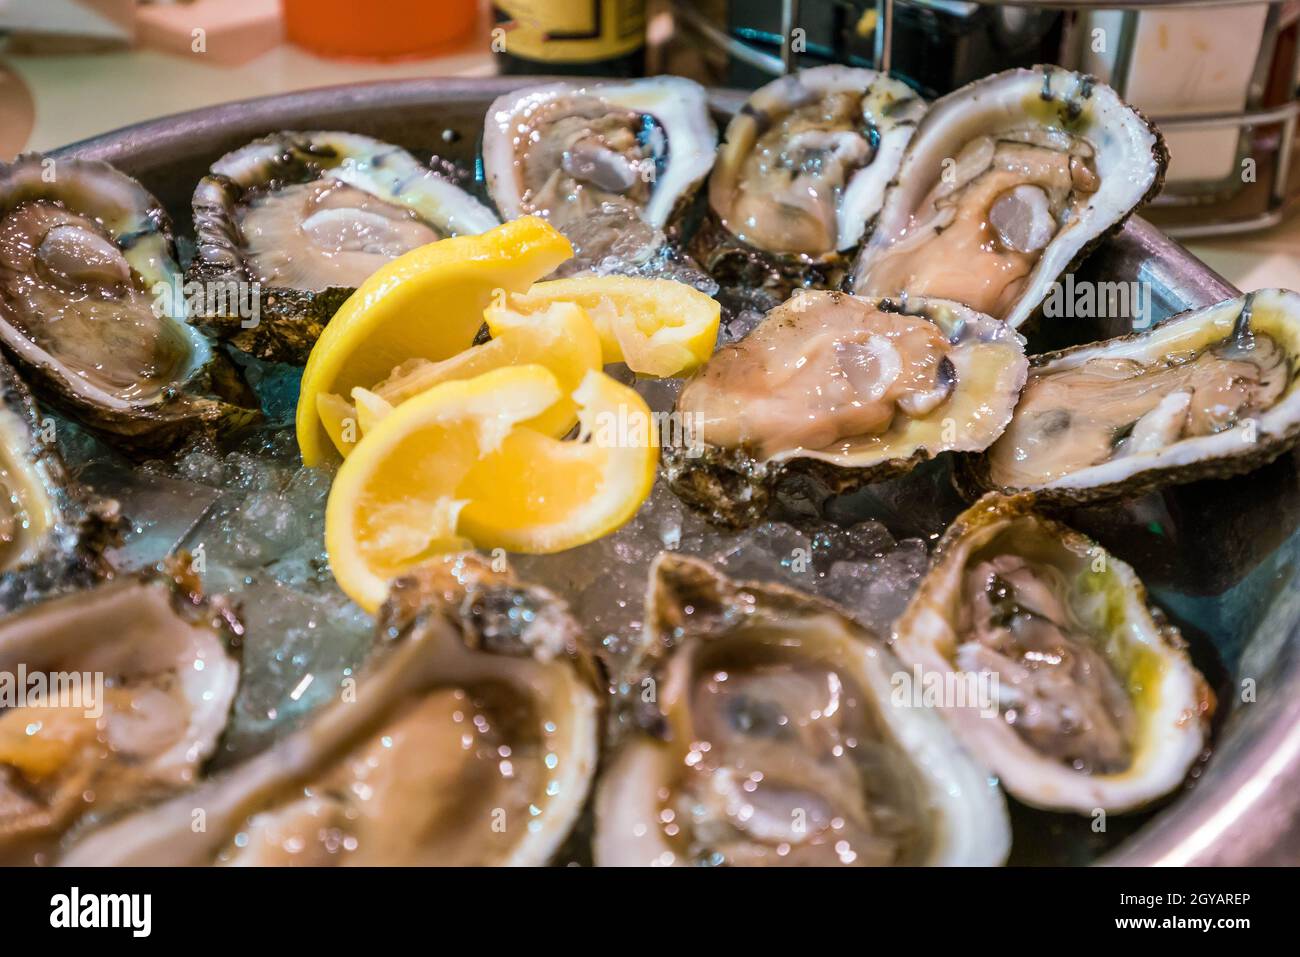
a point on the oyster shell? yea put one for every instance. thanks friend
(167, 684)
(1209, 393)
(1098, 706)
(88, 306)
(831, 391)
(296, 221)
(801, 173)
(1008, 182)
(624, 156)
(469, 738)
(53, 532)
(775, 739)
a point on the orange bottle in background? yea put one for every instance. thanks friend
(377, 29)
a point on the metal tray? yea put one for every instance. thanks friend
(1225, 557)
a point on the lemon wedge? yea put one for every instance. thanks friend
(562, 338)
(658, 327)
(427, 303)
(458, 463)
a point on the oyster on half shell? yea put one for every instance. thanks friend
(117, 695)
(1007, 182)
(91, 311)
(774, 738)
(53, 531)
(299, 220)
(1209, 393)
(831, 391)
(470, 738)
(609, 164)
(1095, 704)
(800, 176)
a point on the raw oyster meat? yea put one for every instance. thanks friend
(801, 174)
(297, 221)
(90, 306)
(119, 695)
(1098, 707)
(832, 391)
(627, 157)
(771, 736)
(1008, 182)
(469, 738)
(1207, 394)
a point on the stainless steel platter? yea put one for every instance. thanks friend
(1223, 557)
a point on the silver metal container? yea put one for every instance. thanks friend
(1229, 567)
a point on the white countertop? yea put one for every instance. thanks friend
(81, 95)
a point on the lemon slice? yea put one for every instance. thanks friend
(658, 327)
(371, 408)
(458, 462)
(428, 303)
(540, 495)
(561, 337)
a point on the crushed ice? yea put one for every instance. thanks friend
(862, 567)
(253, 520)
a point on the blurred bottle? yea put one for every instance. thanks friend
(377, 29)
(589, 37)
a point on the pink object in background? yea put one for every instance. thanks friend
(232, 31)
(378, 29)
(18, 116)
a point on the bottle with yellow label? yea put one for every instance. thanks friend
(591, 37)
